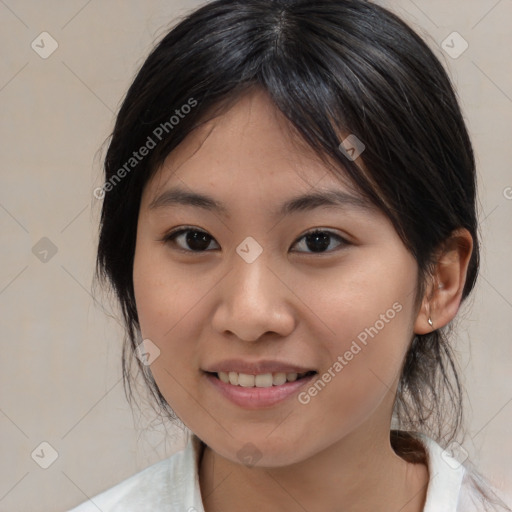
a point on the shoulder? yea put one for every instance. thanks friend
(135, 490)
(474, 490)
(455, 485)
(170, 484)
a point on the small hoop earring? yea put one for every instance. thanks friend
(430, 322)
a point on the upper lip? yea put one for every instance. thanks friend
(255, 367)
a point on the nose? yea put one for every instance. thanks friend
(254, 300)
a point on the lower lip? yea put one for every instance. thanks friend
(257, 398)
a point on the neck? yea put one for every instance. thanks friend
(360, 472)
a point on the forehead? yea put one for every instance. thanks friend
(249, 152)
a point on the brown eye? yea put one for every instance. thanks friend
(194, 240)
(318, 241)
(189, 239)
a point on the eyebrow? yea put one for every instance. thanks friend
(307, 202)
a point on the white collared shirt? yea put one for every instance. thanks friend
(172, 485)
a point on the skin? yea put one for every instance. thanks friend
(290, 304)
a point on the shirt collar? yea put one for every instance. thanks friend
(445, 476)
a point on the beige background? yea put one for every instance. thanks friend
(60, 376)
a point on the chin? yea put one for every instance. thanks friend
(260, 450)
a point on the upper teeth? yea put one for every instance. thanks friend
(264, 380)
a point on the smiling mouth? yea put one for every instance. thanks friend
(264, 380)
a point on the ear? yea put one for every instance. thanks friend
(443, 295)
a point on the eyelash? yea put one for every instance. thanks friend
(170, 237)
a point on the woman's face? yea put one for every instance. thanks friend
(252, 286)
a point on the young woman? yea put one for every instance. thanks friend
(289, 224)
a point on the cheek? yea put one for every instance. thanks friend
(166, 304)
(365, 295)
(367, 314)
(167, 307)
(162, 295)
